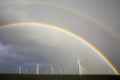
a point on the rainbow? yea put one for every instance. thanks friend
(71, 10)
(71, 34)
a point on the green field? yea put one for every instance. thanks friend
(57, 77)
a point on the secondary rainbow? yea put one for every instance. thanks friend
(71, 34)
(71, 10)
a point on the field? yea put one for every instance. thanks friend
(57, 77)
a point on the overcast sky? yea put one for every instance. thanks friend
(74, 15)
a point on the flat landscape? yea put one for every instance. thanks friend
(57, 77)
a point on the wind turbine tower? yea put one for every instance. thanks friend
(46, 71)
(60, 70)
(26, 71)
(52, 70)
(19, 70)
(79, 66)
(37, 69)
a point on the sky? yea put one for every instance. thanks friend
(97, 21)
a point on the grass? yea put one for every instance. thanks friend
(57, 77)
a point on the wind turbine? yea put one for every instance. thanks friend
(109, 71)
(66, 71)
(60, 70)
(26, 71)
(46, 71)
(79, 65)
(19, 70)
(84, 70)
(37, 69)
(52, 69)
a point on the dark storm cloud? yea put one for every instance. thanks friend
(8, 59)
(12, 56)
(6, 56)
(18, 53)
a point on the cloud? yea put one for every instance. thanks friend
(7, 56)
(4, 50)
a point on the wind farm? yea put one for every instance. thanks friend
(49, 69)
(49, 73)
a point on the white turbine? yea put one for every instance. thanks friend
(19, 70)
(52, 70)
(109, 71)
(46, 71)
(26, 71)
(66, 71)
(84, 71)
(37, 69)
(60, 70)
(79, 65)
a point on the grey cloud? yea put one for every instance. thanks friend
(5, 53)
